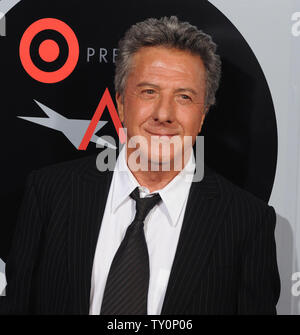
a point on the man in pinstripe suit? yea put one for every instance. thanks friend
(211, 245)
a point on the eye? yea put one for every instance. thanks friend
(184, 99)
(148, 93)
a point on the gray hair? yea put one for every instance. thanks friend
(171, 33)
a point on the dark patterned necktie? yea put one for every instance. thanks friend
(127, 284)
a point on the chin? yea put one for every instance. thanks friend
(164, 161)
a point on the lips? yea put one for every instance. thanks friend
(161, 132)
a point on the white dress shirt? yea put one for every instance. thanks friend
(162, 228)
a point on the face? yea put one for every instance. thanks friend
(163, 101)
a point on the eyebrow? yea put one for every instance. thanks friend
(144, 83)
(178, 90)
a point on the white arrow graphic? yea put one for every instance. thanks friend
(73, 129)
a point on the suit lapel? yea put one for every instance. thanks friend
(205, 209)
(89, 194)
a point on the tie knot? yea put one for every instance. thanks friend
(143, 205)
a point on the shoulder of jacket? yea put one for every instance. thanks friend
(240, 196)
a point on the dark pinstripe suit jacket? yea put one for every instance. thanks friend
(225, 262)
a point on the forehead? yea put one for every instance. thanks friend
(169, 64)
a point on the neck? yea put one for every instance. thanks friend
(155, 180)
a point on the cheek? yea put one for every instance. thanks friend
(136, 111)
(190, 122)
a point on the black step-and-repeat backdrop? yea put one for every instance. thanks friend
(57, 65)
(67, 64)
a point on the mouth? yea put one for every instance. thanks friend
(160, 133)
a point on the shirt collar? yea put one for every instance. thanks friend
(173, 195)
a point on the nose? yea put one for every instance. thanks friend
(164, 110)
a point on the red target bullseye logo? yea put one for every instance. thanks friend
(49, 50)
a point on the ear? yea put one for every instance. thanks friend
(202, 120)
(120, 106)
